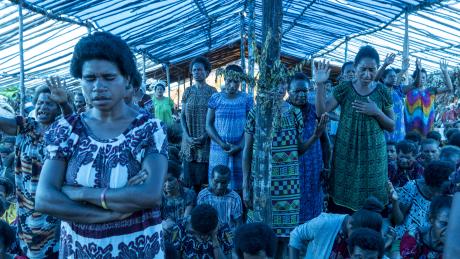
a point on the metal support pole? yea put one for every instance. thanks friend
(406, 42)
(21, 60)
(242, 54)
(168, 78)
(346, 49)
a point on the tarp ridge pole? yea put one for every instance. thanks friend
(21, 59)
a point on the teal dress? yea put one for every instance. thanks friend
(360, 158)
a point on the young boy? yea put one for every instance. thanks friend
(227, 202)
(391, 151)
(406, 167)
(429, 151)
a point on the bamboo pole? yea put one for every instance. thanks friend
(242, 50)
(22, 86)
(251, 43)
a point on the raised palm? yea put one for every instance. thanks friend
(389, 59)
(58, 89)
(321, 71)
(443, 65)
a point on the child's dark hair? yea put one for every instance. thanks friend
(174, 169)
(204, 218)
(103, 46)
(434, 135)
(439, 203)
(370, 215)
(454, 140)
(348, 63)
(451, 132)
(298, 76)
(367, 52)
(222, 170)
(391, 143)
(234, 68)
(367, 239)
(437, 172)
(255, 237)
(7, 234)
(429, 141)
(201, 60)
(406, 147)
(414, 137)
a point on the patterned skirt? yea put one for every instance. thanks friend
(139, 236)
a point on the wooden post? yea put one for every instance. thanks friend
(272, 12)
(406, 42)
(251, 43)
(242, 54)
(168, 78)
(22, 86)
(346, 48)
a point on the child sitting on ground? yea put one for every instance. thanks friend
(406, 167)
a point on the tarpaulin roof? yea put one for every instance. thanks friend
(172, 31)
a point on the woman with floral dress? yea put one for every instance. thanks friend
(105, 167)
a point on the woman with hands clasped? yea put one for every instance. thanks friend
(359, 167)
(105, 167)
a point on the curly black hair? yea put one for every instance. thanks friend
(349, 63)
(414, 137)
(406, 147)
(174, 169)
(103, 46)
(454, 140)
(449, 153)
(434, 135)
(204, 218)
(438, 203)
(437, 172)
(370, 215)
(255, 237)
(234, 68)
(201, 60)
(367, 52)
(367, 239)
(298, 76)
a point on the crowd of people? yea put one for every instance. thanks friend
(358, 169)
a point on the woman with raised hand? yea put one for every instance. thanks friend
(360, 161)
(37, 231)
(105, 168)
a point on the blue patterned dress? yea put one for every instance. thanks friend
(310, 166)
(108, 163)
(398, 109)
(229, 122)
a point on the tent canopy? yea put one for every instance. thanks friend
(174, 31)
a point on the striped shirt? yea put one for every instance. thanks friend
(229, 207)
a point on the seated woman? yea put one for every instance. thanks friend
(428, 242)
(105, 167)
(201, 236)
(327, 235)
